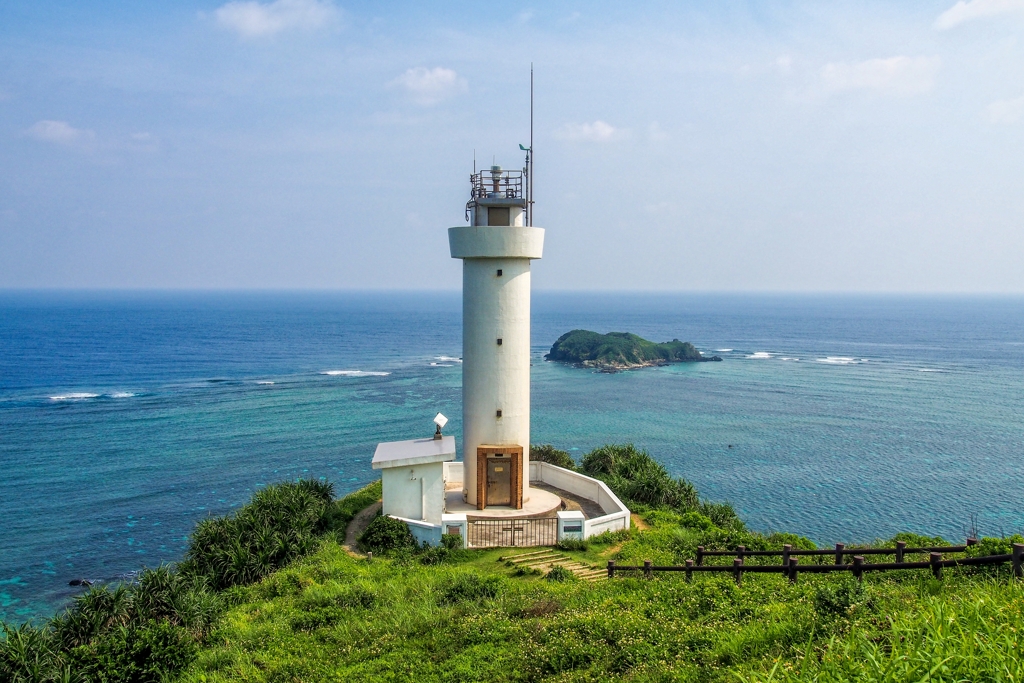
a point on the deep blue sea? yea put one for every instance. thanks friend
(125, 418)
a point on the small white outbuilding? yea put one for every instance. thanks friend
(412, 473)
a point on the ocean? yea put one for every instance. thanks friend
(127, 417)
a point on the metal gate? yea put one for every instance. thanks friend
(507, 533)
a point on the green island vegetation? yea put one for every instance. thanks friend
(272, 594)
(621, 351)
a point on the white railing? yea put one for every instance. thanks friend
(616, 514)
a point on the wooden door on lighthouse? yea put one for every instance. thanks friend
(499, 477)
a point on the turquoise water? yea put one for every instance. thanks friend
(126, 418)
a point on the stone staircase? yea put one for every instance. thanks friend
(544, 560)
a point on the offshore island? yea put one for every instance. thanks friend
(617, 351)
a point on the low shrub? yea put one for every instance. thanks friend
(695, 520)
(559, 573)
(386, 534)
(836, 598)
(280, 523)
(549, 454)
(994, 546)
(468, 587)
(639, 479)
(145, 654)
(450, 550)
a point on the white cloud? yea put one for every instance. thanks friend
(900, 75)
(58, 132)
(1006, 111)
(976, 9)
(598, 131)
(430, 86)
(252, 19)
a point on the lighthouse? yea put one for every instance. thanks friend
(496, 249)
(487, 500)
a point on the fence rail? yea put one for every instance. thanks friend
(791, 566)
(840, 551)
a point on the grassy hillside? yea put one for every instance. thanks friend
(473, 618)
(620, 350)
(269, 594)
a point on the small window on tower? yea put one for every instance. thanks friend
(498, 215)
(499, 272)
(499, 413)
(499, 341)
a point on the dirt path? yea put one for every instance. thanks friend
(357, 526)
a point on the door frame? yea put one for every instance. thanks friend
(515, 454)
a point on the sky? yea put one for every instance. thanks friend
(701, 146)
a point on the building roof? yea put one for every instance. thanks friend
(415, 452)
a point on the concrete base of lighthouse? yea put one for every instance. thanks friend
(539, 504)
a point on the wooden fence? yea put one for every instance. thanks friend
(791, 567)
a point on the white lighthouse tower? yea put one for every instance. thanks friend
(496, 249)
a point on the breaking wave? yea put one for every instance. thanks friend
(842, 360)
(354, 373)
(265, 382)
(76, 396)
(760, 355)
(122, 394)
(448, 359)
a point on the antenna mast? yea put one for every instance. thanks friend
(529, 180)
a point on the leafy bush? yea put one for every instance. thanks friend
(450, 550)
(467, 587)
(994, 546)
(638, 478)
(836, 598)
(549, 454)
(386, 534)
(280, 523)
(559, 573)
(144, 654)
(695, 520)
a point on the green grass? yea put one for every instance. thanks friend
(269, 594)
(331, 617)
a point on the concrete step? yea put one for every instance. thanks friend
(527, 556)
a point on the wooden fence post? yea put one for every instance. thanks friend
(935, 558)
(972, 541)
(611, 569)
(740, 550)
(700, 555)
(689, 571)
(647, 569)
(793, 561)
(786, 550)
(737, 569)
(1018, 560)
(839, 552)
(900, 547)
(858, 567)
